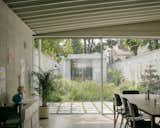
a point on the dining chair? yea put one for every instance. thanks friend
(147, 117)
(130, 92)
(117, 107)
(136, 120)
(9, 118)
(125, 113)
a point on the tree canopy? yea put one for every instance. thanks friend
(62, 47)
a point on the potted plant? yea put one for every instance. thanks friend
(45, 81)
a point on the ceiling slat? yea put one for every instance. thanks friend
(44, 3)
(65, 7)
(90, 19)
(95, 24)
(47, 16)
(58, 6)
(72, 13)
(102, 13)
(16, 2)
(96, 19)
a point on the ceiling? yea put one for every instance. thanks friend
(54, 16)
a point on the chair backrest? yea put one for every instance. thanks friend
(7, 112)
(130, 92)
(133, 110)
(117, 100)
(125, 106)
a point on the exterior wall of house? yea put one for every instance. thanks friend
(86, 60)
(66, 68)
(15, 52)
(96, 64)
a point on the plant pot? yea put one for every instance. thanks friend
(43, 112)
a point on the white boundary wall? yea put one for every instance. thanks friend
(133, 67)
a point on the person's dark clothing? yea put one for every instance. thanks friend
(17, 99)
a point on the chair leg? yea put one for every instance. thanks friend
(121, 121)
(115, 119)
(126, 124)
(114, 112)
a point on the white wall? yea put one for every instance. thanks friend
(133, 67)
(47, 63)
(15, 49)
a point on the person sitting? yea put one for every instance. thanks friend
(18, 97)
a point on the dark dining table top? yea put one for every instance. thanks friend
(148, 106)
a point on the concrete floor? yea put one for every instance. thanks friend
(79, 115)
(77, 121)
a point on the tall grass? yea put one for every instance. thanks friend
(69, 90)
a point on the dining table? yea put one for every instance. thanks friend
(149, 106)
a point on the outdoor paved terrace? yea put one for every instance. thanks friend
(80, 108)
(79, 115)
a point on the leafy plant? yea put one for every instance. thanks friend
(133, 45)
(152, 43)
(115, 76)
(45, 81)
(69, 90)
(150, 78)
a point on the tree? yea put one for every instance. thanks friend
(77, 46)
(152, 44)
(56, 47)
(68, 49)
(133, 45)
(111, 42)
(150, 78)
(51, 47)
(90, 45)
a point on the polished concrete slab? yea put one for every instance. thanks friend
(78, 121)
(79, 115)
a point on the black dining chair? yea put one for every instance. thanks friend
(125, 113)
(135, 119)
(9, 118)
(147, 117)
(130, 92)
(117, 107)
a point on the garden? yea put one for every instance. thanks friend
(69, 90)
(62, 90)
(88, 90)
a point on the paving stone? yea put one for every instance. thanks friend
(65, 108)
(77, 107)
(89, 107)
(110, 105)
(80, 107)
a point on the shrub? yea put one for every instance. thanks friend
(150, 78)
(69, 90)
(90, 91)
(127, 85)
(115, 76)
(108, 90)
(54, 96)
